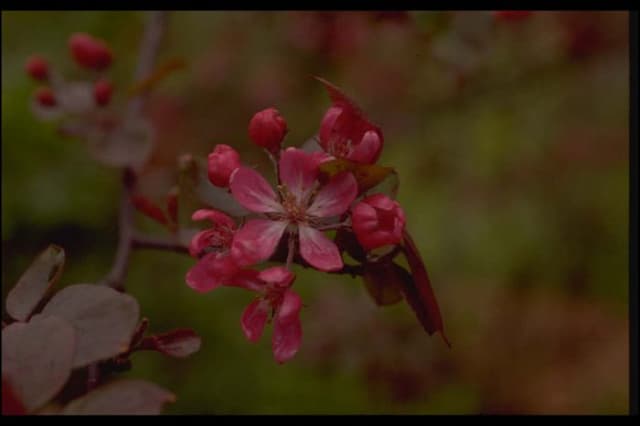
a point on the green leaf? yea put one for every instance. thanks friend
(122, 397)
(43, 273)
(103, 318)
(37, 358)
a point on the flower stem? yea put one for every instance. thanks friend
(292, 246)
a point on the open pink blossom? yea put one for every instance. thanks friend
(216, 267)
(346, 133)
(277, 301)
(300, 207)
(378, 221)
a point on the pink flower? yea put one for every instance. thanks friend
(346, 133)
(216, 267)
(377, 221)
(267, 129)
(223, 161)
(300, 207)
(90, 52)
(37, 67)
(276, 300)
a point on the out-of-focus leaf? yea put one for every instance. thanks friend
(157, 75)
(385, 281)
(37, 358)
(178, 343)
(75, 98)
(122, 397)
(367, 175)
(419, 292)
(128, 143)
(34, 282)
(431, 23)
(11, 404)
(149, 208)
(103, 318)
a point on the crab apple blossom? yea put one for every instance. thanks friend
(378, 221)
(89, 52)
(278, 301)
(102, 91)
(216, 267)
(222, 161)
(45, 97)
(300, 207)
(346, 133)
(267, 129)
(37, 67)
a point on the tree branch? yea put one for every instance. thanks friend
(140, 241)
(154, 29)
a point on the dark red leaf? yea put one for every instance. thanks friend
(128, 396)
(34, 283)
(11, 404)
(385, 281)
(419, 292)
(37, 358)
(149, 208)
(179, 343)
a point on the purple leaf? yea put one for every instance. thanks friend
(43, 272)
(419, 293)
(37, 358)
(103, 318)
(385, 282)
(122, 397)
(179, 343)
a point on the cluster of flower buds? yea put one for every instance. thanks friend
(319, 190)
(57, 97)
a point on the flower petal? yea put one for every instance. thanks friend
(200, 241)
(335, 197)
(368, 150)
(216, 217)
(251, 190)
(299, 170)
(254, 319)
(277, 275)
(211, 272)
(318, 250)
(256, 241)
(287, 330)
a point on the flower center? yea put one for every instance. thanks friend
(295, 210)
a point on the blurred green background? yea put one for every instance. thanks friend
(511, 140)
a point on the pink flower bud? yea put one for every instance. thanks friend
(223, 161)
(90, 52)
(102, 92)
(45, 97)
(267, 129)
(378, 221)
(37, 67)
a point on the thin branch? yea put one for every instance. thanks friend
(149, 47)
(140, 241)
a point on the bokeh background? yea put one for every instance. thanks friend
(511, 140)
